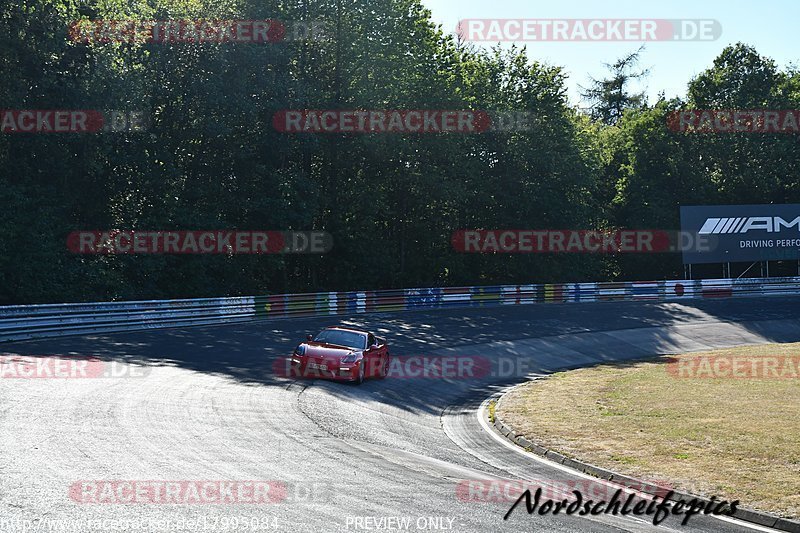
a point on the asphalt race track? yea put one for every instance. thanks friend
(205, 404)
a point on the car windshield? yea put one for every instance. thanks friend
(350, 339)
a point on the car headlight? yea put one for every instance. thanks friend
(350, 358)
(300, 350)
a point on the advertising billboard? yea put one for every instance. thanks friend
(742, 232)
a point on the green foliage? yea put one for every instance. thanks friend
(609, 98)
(212, 160)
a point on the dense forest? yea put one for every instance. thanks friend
(210, 157)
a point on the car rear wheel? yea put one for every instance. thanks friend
(385, 368)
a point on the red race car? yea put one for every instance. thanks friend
(342, 354)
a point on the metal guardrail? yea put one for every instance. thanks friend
(21, 322)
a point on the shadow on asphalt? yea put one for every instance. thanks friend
(248, 352)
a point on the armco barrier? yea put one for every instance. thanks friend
(19, 322)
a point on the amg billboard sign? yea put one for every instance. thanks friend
(715, 226)
(743, 232)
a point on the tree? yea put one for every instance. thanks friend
(609, 97)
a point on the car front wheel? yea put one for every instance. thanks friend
(360, 378)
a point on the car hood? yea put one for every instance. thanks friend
(322, 350)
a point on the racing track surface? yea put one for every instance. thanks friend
(209, 407)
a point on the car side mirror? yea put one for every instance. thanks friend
(309, 337)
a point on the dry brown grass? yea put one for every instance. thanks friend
(734, 438)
